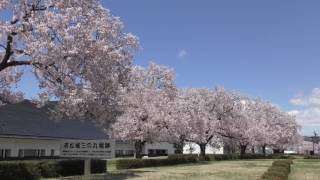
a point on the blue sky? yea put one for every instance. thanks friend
(261, 48)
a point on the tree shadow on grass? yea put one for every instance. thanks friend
(120, 175)
(117, 175)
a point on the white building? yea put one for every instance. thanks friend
(124, 149)
(28, 132)
(308, 146)
(192, 148)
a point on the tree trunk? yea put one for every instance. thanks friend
(179, 147)
(243, 149)
(138, 147)
(278, 151)
(202, 149)
(252, 150)
(264, 149)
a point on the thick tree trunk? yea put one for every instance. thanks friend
(264, 149)
(138, 147)
(243, 149)
(252, 150)
(202, 149)
(179, 147)
(278, 151)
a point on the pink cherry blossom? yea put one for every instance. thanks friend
(76, 49)
(145, 98)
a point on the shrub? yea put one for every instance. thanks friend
(184, 158)
(19, 171)
(129, 163)
(98, 166)
(253, 156)
(220, 157)
(48, 169)
(278, 171)
(71, 167)
(152, 162)
(76, 167)
(279, 156)
(311, 157)
(171, 160)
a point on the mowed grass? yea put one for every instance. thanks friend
(305, 169)
(216, 170)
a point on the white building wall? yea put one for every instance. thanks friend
(192, 148)
(307, 146)
(14, 144)
(124, 146)
(162, 145)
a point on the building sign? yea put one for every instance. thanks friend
(103, 149)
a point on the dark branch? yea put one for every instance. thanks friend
(18, 63)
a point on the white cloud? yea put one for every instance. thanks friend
(294, 112)
(182, 53)
(299, 100)
(308, 108)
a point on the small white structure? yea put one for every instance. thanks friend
(192, 148)
(307, 146)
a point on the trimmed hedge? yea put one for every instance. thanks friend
(171, 160)
(175, 159)
(19, 171)
(278, 171)
(311, 157)
(76, 167)
(129, 163)
(98, 166)
(222, 157)
(70, 167)
(48, 169)
(184, 158)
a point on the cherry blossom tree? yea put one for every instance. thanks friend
(175, 128)
(7, 79)
(201, 119)
(265, 122)
(287, 132)
(76, 49)
(149, 91)
(253, 122)
(240, 125)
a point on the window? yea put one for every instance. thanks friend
(151, 152)
(1, 153)
(129, 152)
(52, 152)
(31, 153)
(42, 152)
(157, 152)
(20, 154)
(119, 152)
(7, 153)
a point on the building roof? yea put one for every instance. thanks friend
(25, 119)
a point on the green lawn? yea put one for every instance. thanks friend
(217, 170)
(305, 169)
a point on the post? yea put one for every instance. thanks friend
(87, 169)
(106, 167)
